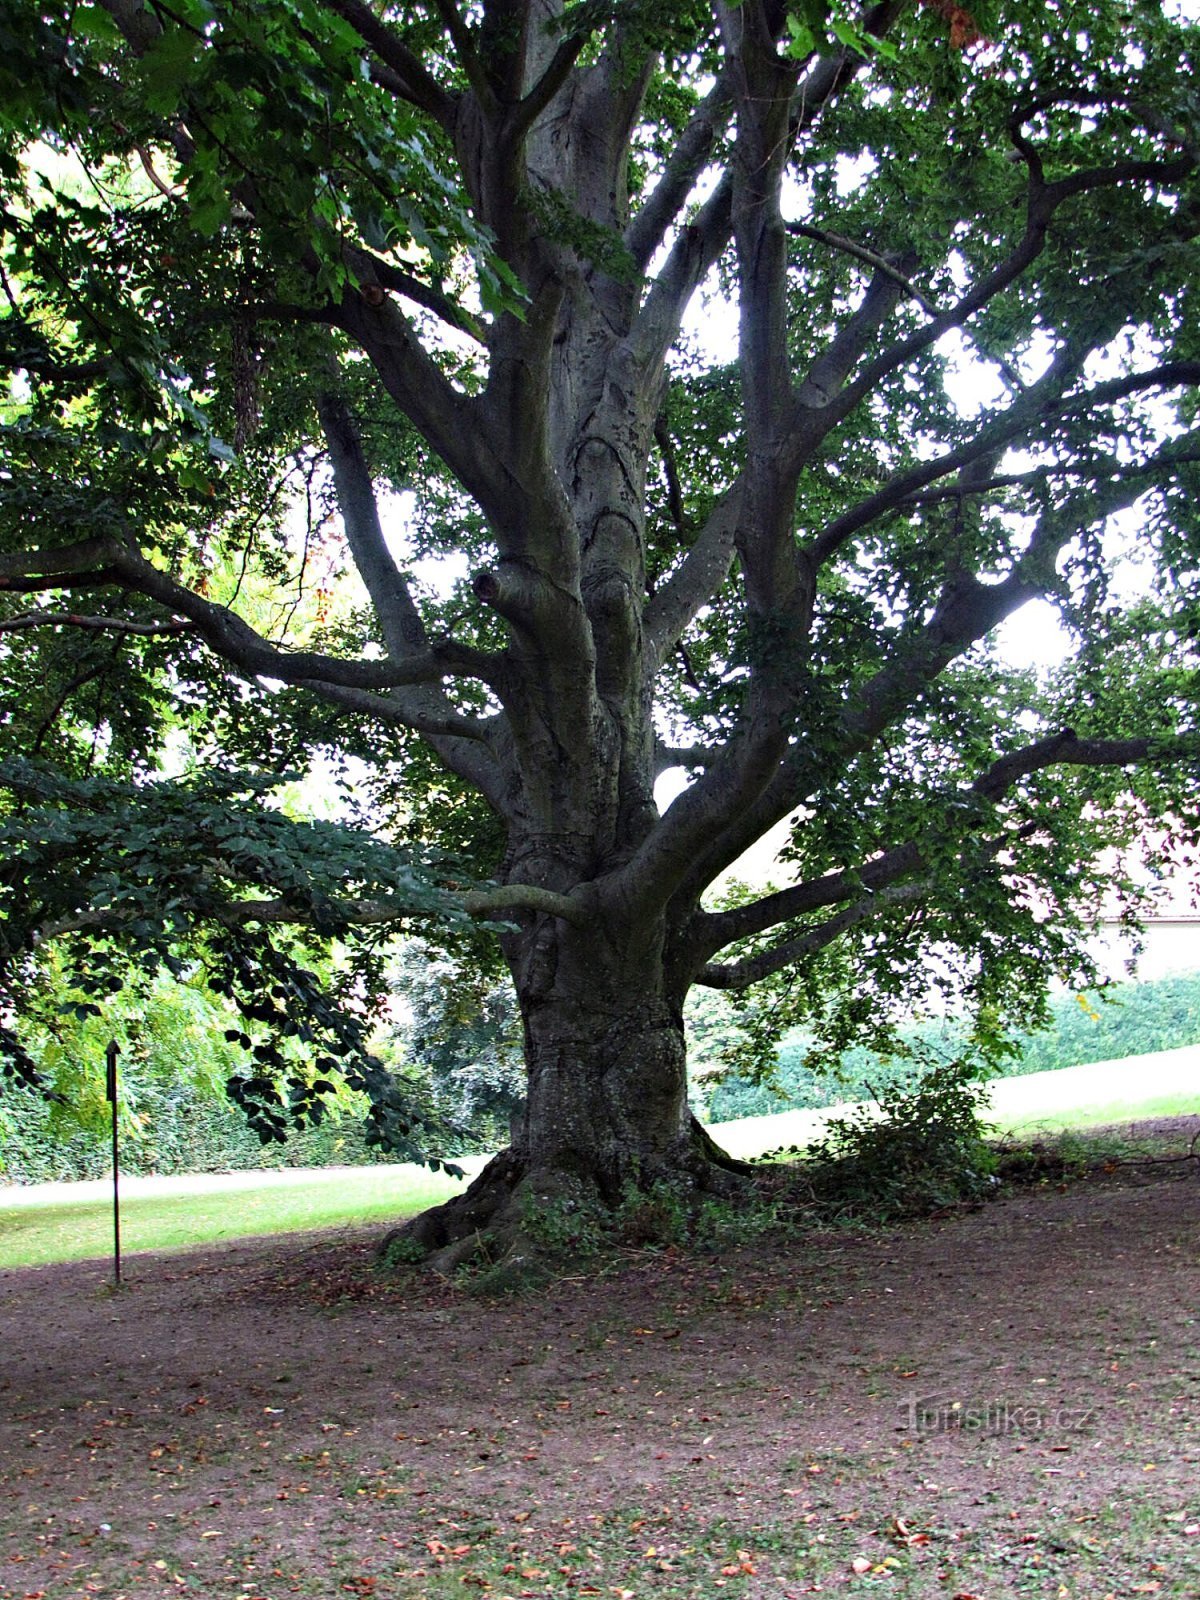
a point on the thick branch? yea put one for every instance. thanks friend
(372, 271)
(410, 77)
(401, 713)
(1067, 749)
(695, 581)
(1094, 470)
(400, 621)
(700, 242)
(102, 562)
(693, 255)
(743, 974)
(1038, 407)
(692, 756)
(692, 149)
(968, 609)
(454, 424)
(483, 903)
(824, 379)
(487, 904)
(880, 264)
(530, 107)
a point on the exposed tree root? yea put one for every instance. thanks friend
(519, 1216)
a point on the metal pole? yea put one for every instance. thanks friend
(111, 1053)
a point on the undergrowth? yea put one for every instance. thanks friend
(575, 1232)
(917, 1151)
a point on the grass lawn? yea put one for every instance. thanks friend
(51, 1223)
(231, 1207)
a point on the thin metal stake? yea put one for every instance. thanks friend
(112, 1051)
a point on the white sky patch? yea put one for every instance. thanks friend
(974, 385)
(851, 172)
(1033, 637)
(1133, 558)
(437, 574)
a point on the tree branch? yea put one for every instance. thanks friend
(667, 756)
(869, 258)
(399, 620)
(832, 367)
(486, 904)
(880, 264)
(523, 115)
(694, 582)
(700, 243)
(693, 255)
(468, 56)
(1093, 471)
(456, 425)
(1044, 201)
(410, 77)
(1041, 405)
(426, 707)
(107, 561)
(372, 270)
(483, 903)
(71, 619)
(683, 167)
(752, 969)
(879, 875)
(1067, 749)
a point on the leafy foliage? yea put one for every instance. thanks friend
(924, 1150)
(174, 1113)
(174, 865)
(302, 297)
(461, 1038)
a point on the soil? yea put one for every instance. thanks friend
(992, 1403)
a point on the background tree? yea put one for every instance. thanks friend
(460, 1036)
(455, 251)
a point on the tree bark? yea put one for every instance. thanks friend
(606, 1115)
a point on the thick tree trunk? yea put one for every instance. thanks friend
(607, 1096)
(606, 1114)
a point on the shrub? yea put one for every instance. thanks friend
(923, 1150)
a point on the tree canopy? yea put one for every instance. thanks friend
(743, 366)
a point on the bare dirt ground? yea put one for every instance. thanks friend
(996, 1403)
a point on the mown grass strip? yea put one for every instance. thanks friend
(32, 1234)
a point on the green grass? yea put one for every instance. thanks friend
(1163, 1085)
(1106, 1113)
(35, 1232)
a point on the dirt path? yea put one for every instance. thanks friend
(1002, 1403)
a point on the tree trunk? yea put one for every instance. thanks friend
(606, 1115)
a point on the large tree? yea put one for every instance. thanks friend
(755, 362)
